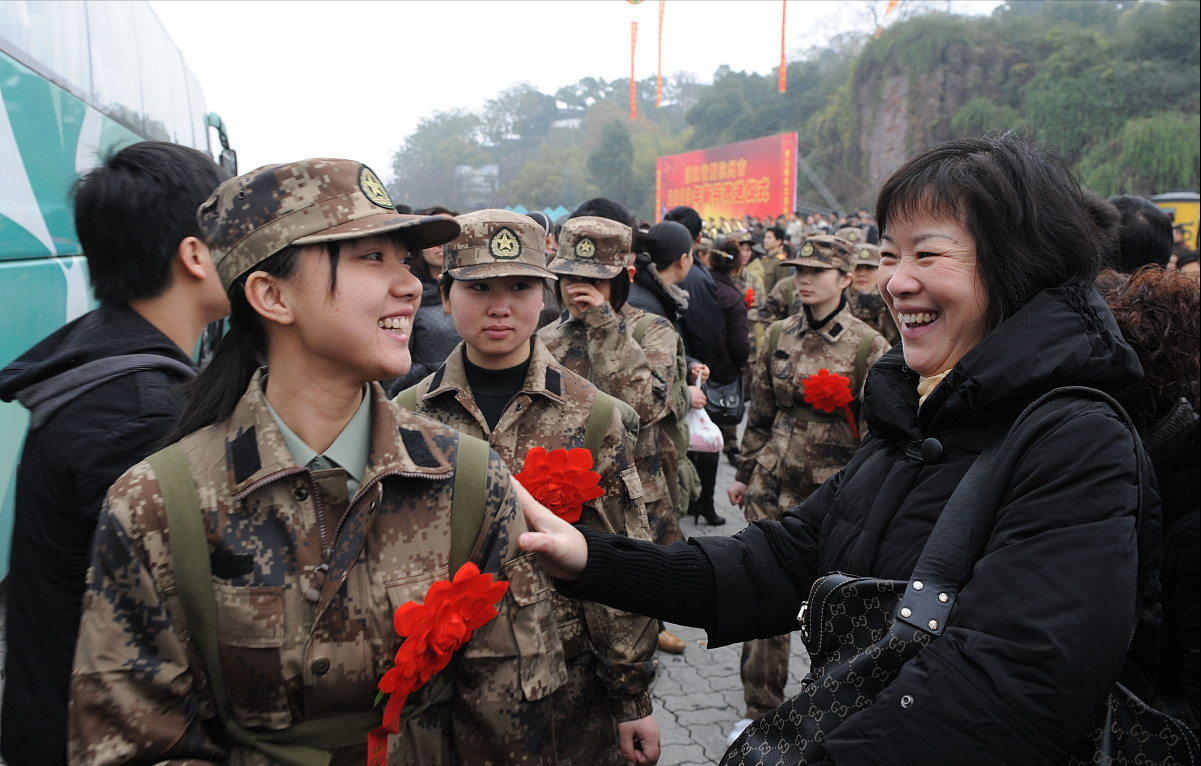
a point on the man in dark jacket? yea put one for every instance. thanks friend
(99, 395)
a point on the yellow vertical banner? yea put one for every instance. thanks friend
(783, 60)
(659, 78)
(633, 86)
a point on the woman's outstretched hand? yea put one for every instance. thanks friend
(561, 549)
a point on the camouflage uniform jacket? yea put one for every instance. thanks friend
(871, 308)
(600, 346)
(782, 302)
(785, 457)
(139, 690)
(756, 319)
(551, 411)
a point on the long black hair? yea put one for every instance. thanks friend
(212, 396)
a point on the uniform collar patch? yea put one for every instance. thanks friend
(243, 455)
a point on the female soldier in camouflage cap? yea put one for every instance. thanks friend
(789, 448)
(502, 384)
(629, 353)
(863, 295)
(325, 507)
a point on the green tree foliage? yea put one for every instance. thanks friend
(425, 163)
(1113, 84)
(612, 162)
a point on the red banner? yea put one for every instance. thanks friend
(755, 177)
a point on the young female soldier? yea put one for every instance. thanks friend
(502, 384)
(324, 508)
(628, 353)
(788, 447)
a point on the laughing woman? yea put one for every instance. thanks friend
(987, 256)
(324, 508)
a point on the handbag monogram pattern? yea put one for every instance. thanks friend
(848, 621)
(860, 632)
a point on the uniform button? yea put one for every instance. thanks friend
(320, 666)
(301, 494)
(932, 451)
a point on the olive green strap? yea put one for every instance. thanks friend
(407, 399)
(669, 423)
(865, 348)
(467, 506)
(774, 338)
(598, 422)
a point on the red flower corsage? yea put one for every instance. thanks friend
(750, 297)
(432, 633)
(827, 392)
(561, 479)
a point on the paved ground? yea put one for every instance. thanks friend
(698, 694)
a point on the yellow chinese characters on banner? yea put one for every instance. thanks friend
(747, 178)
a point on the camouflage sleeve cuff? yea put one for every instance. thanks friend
(744, 475)
(630, 708)
(599, 316)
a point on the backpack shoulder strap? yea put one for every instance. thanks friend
(598, 421)
(865, 348)
(407, 398)
(774, 337)
(641, 326)
(470, 494)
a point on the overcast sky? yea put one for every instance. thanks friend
(352, 79)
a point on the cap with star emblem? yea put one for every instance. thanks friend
(866, 255)
(254, 216)
(851, 234)
(496, 243)
(824, 251)
(594, 247)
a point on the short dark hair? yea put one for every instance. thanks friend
(1031, 220)
(603, 207)
(776, 230)
(132, 212)
(1144, 233)
(690, 219)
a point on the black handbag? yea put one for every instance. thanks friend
(724, 402)
(860, 631)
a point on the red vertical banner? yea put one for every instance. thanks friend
(783, 61)
(633, 86)
(659, 78)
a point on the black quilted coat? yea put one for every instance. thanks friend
(1039, 632)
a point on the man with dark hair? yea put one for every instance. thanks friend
(98, 393)
(773, 263)
(1144, 233)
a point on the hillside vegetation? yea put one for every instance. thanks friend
(1115, 86)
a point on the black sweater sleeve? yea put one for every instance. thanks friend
(669, 582)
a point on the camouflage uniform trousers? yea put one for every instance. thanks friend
(551, 411)
(140, 690)
(786, 457)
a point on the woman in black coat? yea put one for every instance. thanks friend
(988, 252)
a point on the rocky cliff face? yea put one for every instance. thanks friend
(903, 107)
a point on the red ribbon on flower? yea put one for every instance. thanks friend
(432, 633)
(750, 297)
(826, 392)
(561, 479)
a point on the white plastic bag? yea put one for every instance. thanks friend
(703, 435)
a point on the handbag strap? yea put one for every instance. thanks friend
(959, 535)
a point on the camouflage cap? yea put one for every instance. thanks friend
(852, 234)
(590, 246)
(255, 215)
(497, 243)
(824, 251)
(866, 255)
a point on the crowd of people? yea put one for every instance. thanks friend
(221, 564)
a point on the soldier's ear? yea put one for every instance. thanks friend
(266, 295)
